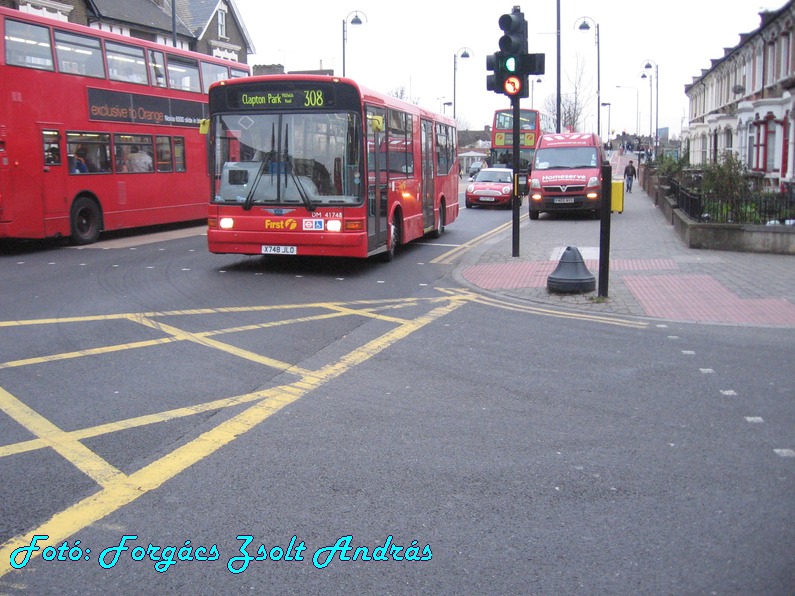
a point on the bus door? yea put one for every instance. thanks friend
(377, 171)
(55, 169)
(427, 173)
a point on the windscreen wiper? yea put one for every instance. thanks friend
(291, 171)
(249, 202)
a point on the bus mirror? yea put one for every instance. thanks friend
(204, 126)
(377, 123)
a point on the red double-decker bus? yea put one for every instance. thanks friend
(317, 165)
(532, 124)
(99, 131)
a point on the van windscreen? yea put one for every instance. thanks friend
(565, 158)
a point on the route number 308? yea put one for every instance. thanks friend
(313, 99)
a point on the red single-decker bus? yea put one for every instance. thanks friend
(317, 165)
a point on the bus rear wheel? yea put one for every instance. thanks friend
(86, 221)
(438, 229)
(394, 239)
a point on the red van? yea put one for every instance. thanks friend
(566, 174)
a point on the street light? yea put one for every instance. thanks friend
(444, 107)
(607, 103)
(464, 53)
(637, 109)
(647, 66)
(354, 21)
(533, 89)
(584, 26)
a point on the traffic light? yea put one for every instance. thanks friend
(511, 80)
(511, 64)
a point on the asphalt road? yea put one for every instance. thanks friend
(152, 391)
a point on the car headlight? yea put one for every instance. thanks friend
(471, 188)
(594, 181)
(506, 190)
(535, 183)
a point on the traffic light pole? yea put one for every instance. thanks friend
(516, 171)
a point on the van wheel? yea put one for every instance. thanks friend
(534, 214)
(86, 221)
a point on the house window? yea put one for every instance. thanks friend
(222, 24)
(770, 147)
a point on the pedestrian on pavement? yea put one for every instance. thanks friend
(629, 174)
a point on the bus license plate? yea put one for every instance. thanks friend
(268, 249)
(565, 200)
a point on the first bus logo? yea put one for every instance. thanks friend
(281, 224)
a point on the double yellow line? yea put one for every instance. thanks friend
(451, 255)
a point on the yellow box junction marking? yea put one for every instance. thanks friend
(118, 489)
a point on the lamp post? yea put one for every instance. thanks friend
(533, 89)
(464, 53)
(584, 26)
(607, 103)
(647, 66)
(637, 104)
(354, 21)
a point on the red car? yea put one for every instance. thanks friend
(491, 186)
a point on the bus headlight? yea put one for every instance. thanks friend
(334, 225)
(226, 223)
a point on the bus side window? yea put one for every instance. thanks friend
(163, 147)
(52, 147)
(179, 154)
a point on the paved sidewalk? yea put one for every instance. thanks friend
(652, 272)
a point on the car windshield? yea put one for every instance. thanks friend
(494, 176)
(565, 158)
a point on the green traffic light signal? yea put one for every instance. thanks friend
(510, 64)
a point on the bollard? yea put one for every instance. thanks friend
(571, 275)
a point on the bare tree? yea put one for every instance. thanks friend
(572, 105)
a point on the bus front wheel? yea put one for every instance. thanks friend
(86, 221)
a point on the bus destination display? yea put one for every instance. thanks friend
(309, 99)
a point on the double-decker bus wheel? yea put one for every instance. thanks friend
(86, 221)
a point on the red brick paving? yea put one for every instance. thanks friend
(703, 298)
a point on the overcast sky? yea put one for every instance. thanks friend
(412, 44)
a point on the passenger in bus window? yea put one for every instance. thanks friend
(53, 156)
(81, 165)
(138, 161)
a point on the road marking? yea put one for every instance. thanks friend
(548, 312)
(451, 255)
(118, 489)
